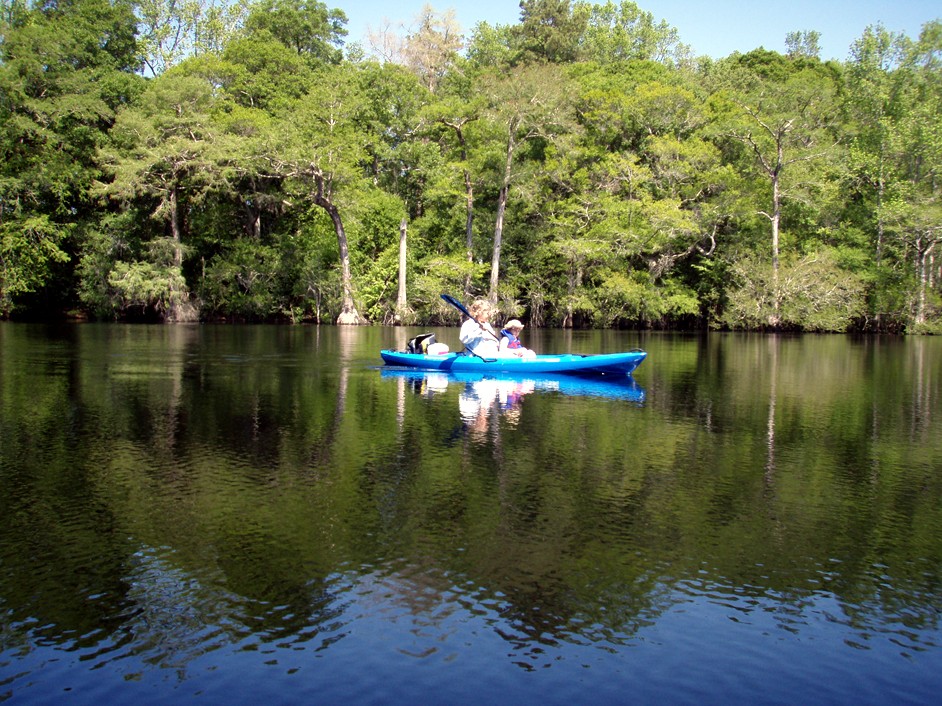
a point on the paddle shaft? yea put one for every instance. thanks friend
(461, 307)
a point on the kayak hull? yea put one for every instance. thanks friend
(603, 364)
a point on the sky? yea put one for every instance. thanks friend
(715, 28)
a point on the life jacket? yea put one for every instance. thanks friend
(514, 342)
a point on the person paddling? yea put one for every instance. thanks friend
(477, 334)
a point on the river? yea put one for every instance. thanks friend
(261, 513)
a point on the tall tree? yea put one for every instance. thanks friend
(916, 200)
(550, 30)
(805, 44)
(164, 154)
(432, 47)
(784, 124)
(529, 103)
(624, 32)
(170, 31)
(64, 69)
(306, 26)
(322, 150)
(454, 114)
(875, 96)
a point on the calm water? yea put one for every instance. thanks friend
(244, 514)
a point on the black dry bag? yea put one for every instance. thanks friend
(420, 343)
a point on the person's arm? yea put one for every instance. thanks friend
(467, 331)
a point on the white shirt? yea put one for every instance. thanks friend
(484, 343)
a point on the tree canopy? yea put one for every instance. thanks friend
(582, 167)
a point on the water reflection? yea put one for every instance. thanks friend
(481, 400)
(508, 390)
(227, 508)
(485, 398)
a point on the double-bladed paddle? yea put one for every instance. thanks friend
(461, 307)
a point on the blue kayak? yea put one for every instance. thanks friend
(602, 364)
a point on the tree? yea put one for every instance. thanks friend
(64, 68)
(875, 98)
(322, 150)
(550, 30)
(893, 95)
(625, 32)
(491, 46)
(171, 31)
(163, 154)
(805, 45)
(784, 125)
(455, 114)
(431, 49)
(915, 204)
(530, 104)
(636, 195)
(306, 26)
(810, 293)
(917, 223)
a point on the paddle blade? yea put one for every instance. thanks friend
(457, 304)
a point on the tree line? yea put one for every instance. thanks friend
(224, 161)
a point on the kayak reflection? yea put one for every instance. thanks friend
(511, 388)
(485, 398)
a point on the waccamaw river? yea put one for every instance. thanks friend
(266, 514)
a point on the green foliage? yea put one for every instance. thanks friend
(140, 287)
(113, 240)
(491, 46)
(550, 30)
(811, 293)
(243, 281)
(307, 27)
(260, 72)
(624, 32)
(170, 31)
(576, 166)
(28, 248)
(63, 72)
(437, 275)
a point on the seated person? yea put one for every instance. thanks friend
(510, 340)
(477, 334)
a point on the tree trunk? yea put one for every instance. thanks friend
(499, 223)
(922, 256)
(469, 228)
(401, 298)
(348, 312)
(469, 200)
(575, 282)
(349, 316)
(469, 213)
(179, 310)
(175, 230)
(776, 220)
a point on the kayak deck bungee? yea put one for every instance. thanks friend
(568, 363)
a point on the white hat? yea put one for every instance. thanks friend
(513, 324)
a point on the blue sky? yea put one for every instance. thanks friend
(716, 28)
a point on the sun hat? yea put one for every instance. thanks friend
(513, 324)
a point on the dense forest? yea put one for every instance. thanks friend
(230, 161)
